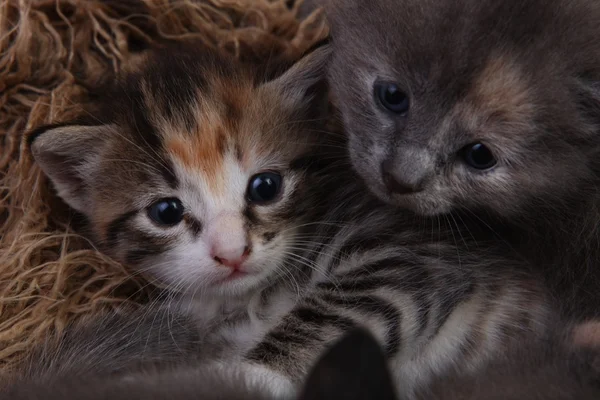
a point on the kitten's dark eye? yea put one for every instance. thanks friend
(264, 187)
(478, 156)
(166, 212)
(391, 97)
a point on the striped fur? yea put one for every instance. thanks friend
(357, 357)
(325, 255)
(353, 368)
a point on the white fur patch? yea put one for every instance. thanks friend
(273, 383)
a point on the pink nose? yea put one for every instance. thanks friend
(232, 258)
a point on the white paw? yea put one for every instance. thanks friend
(274, 384)
(277, 384)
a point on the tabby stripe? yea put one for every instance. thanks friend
(193, 223)
(146, 246)
(448, 301)
(418, 282)
(374, 305)
(167, 171)
(297, 337)
(134, 256)
(359, 244)
(372, 276)
(250, 215)
(267, 352)
(117, 226)
(318, 318)
(147, 137)
(421, 298)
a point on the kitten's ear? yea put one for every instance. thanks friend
(354, 368)
(304, 78)
(68, 155)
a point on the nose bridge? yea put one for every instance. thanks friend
(413, 163)
(227, 225)
(227, 236)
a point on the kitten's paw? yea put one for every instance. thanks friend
(278, 385)
(272, 383)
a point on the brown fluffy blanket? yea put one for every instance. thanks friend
(50, 51)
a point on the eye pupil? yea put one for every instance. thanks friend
(479, 156)
(167, 212)
(393, 95)
(264, 187)
(392, 98)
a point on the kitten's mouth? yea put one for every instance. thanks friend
(236, 274)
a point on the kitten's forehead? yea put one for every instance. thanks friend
(206, 115)
(433, 39)
(216, 126)
(501, 91)
(489, 59)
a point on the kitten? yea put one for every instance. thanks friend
(485, 113)
(353, 368)
(221, 181)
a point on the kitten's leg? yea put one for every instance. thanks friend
(418, 341)
(274, 384)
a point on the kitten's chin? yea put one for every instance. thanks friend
(421, 205)
(418, 203)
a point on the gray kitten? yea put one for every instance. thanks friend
(485, 114)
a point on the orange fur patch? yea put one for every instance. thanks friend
(203, 152)
(587, 334)
(501, 91)
(218, 133)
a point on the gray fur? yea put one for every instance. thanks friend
(523, 78)
(353, 368)
(356, 357)
(533, 370)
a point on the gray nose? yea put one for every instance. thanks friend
(398, 181)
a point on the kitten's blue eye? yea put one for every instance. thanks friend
(478, 156)
(167, 212)
(264, 187)
(391, 97)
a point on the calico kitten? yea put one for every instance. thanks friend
(220, 180)
(484, 113)
(353, 368)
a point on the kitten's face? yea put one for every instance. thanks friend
(468, 104)
(197, 177)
